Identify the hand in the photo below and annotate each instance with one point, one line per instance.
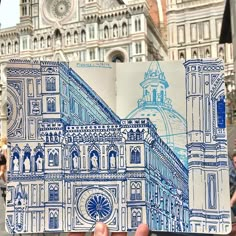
(102, 230)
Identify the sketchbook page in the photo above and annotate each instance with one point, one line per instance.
(63, 159)
(173, 120)
(100, 77)
(87, 165)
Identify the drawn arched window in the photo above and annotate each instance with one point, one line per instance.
(94, 160)
(2, 49)
(112, 159)
(124, 29)
(211, 181)
(54, 219)
(131, 135)
(136, 217)
(139, 191)
(133, 191)
(135, 156)
(51, 104)
(136, 191)
(68, 38)
(35, 43)
(221, 113)
(138, 135)
(115, 31)
(83, 36)
(162, 96)
(53, 192)
(53, 159)
(50, 84)
(41, 42)
(9, 48)
(106, 32)
(76, 37)
(48, 41)
(154, 95)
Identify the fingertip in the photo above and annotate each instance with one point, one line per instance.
(100, 229)
(142, 230)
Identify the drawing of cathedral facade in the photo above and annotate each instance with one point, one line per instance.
(75, 162)
(207, 146)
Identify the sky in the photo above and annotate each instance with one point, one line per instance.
(9, 13)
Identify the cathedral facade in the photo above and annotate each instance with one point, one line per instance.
(85, 164)
(83, 31)
(86, 30)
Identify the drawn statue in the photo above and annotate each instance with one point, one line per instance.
(94, 161)
(75, 161)
(39, 164)
(27, 164)
(16, 167)
(97, 217)
(113, 161)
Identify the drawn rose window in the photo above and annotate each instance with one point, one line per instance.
(99, 207)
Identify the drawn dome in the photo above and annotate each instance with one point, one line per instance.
(155, 105)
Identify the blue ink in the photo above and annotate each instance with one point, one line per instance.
(73, 160)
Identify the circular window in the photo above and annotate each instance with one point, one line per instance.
(99, 207)
(95, 204)
(61, 8)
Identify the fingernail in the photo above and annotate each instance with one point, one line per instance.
(99, 229)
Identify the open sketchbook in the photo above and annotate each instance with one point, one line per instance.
(120, 143)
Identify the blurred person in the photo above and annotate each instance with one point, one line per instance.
(3, 158)
(3, 146)
(3, 162)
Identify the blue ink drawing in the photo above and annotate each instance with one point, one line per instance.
(74, 162)
(155, 104)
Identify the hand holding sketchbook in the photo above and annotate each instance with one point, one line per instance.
(154, 151)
